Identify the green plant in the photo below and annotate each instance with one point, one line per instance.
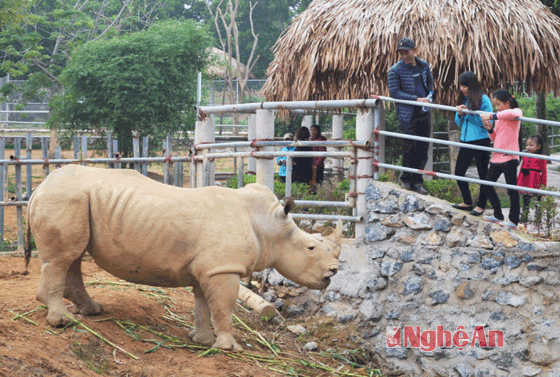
(541, 213)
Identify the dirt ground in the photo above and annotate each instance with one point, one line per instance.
(151, 324)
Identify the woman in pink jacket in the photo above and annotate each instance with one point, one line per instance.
(505, 135)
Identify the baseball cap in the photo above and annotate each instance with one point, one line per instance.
(405, 44)
(289, 136)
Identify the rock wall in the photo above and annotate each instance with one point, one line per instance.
(422, 263)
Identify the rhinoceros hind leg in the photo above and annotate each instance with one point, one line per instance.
(202, 332)
(76, 291)
(50, 292)
(221, 294)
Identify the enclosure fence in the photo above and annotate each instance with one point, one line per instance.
(366, 154)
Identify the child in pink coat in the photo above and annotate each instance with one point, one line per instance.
(505, 135)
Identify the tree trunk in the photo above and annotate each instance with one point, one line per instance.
(452, 135)
(542, 129)
(53, 143)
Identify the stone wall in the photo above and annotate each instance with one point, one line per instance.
(425, 264)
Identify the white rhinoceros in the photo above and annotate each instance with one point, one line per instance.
(146, 232)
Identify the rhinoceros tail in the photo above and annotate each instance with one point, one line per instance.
(27, 253)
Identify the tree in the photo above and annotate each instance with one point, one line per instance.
(139, 82)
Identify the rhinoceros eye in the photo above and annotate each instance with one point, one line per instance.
(311, 247)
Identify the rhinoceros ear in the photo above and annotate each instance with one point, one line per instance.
(336, 237)
(289, 204)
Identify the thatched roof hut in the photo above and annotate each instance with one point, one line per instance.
(342, 49)
(218, 67)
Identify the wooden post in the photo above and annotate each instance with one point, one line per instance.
(84, 149)
(76, 145)
(136, 149)
(364, 167)
(110, 153)
(145, 144)
(2, 156)
(252, 135)
(240, 173)
(19, 196)
(453, 135)
(58, 153)
(28, 167)
(430, 162)
(265, 130)
(45, 150)
(115, 152)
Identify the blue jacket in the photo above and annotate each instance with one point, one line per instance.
(401, 86)
(282, 171)
(471, 125)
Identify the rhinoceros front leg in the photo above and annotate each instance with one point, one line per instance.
(221, 294)
(202, 332)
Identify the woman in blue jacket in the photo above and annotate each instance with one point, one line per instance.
(473, 133)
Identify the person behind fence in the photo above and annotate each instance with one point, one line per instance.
(281, 161)
(472, 133)
(302, 171)
(411, 79)
(318, 162)
(532, 173)
(504, 132)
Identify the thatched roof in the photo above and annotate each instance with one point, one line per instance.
(342, 49)
(218, 67)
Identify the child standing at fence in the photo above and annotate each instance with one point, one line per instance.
(281, 161)
(505, 135)
(473, 132)
(533, 172)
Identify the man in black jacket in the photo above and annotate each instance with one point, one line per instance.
(411, 79)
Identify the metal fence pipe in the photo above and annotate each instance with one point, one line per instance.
(294, 105)
(326, 143)
(465, 145)
(454, 109)
(321, 203)
(472, 180)
(299, 216)
(272, 154)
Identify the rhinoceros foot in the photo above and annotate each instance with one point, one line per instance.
(59, 319)
(91, 308)
(227, 342)
(206, 338)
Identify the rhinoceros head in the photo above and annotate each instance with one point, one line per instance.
(306, 259)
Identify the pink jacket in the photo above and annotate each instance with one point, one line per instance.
(506, 135)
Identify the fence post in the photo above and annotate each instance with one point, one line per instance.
(115, 152)
(19, 208)
(307, 121)
(145, 144)
(167, 152)
(28, 167)
(252, 135)
(110, 148)
(2, 156)
(364, 167)
(378, 140)
(45, 150)
(430, 162)
(338, 134)
(204, 134)
(136, 149)
(265, 130)
(84, 149)
(76, 145)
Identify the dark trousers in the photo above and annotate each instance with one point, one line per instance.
(415, 153)
(509, 169)
(464, 159)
